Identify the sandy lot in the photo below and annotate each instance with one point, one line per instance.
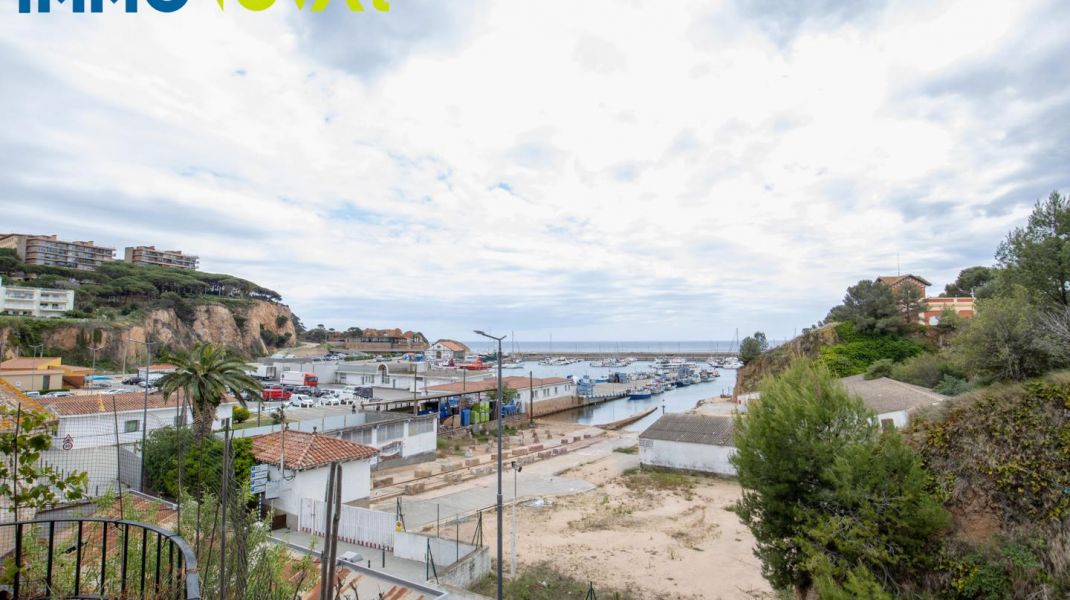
(627, 533)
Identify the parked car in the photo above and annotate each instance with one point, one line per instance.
(113, 391)
(58, 395)
(33, 394)
(302, 401)
(132, 381)
(330, 400)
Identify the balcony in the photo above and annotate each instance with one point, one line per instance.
(82, 558)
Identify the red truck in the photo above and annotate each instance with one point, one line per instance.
(298, 378)
(275, 394)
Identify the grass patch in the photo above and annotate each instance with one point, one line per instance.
(542, 582)
(627, 450)
(646, 481)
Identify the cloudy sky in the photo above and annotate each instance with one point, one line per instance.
(601, 170)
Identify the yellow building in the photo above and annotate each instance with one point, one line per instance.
(39, 374)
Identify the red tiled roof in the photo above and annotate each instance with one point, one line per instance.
(491, 383)
(11, 397)
(454, 345)
(87, 404)
(307, 450)
(891, 280)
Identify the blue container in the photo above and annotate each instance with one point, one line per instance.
(466, 417)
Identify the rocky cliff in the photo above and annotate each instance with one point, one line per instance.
(776, 360)
(241, 327)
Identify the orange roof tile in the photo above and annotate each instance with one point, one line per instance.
(307, 450)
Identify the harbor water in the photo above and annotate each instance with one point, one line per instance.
(674, 400)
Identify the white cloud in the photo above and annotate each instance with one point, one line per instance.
(608, 170)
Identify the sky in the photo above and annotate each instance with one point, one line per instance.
(596, 170)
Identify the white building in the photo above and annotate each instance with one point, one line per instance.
(444, 351)
(35, 302)
(90, 426)
(689, 442)
(892, 400)
(298, 469)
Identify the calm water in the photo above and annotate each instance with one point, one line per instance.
(547, 346)
(675, 400)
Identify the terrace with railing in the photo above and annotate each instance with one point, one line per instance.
(99, 558)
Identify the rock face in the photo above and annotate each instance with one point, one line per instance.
(238, 329)
(776, 360)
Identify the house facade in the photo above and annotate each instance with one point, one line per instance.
(297, 469)
(935, 306)
(443, 351)
(90, 426)
(689, 442)
(34, 302)
(48, 250)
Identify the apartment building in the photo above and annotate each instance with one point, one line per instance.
(35, 302)
(48, 250)
(150, 256)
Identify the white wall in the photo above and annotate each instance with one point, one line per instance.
(899, 417)
(413, 546)
(356, 485)
(683, 455)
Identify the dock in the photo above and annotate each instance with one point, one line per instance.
(589, 355)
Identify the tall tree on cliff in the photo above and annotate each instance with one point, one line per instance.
(1037, 256)
(871, 306)
(752, 346)
(205, 375)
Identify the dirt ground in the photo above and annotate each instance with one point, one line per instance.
(662, 537)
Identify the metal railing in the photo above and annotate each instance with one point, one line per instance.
(82, 558)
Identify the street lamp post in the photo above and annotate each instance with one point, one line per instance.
(500, 433)
(145, 409)
(33, 374)
(512, 567)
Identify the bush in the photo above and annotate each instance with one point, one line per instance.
(881, 368)
(859, 350)
(926, 370)
(241, 414)
(952, 386)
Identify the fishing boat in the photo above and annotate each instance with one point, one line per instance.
(641, 394)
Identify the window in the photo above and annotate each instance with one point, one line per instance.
(390, 431)
(132, 426)
(421, 426)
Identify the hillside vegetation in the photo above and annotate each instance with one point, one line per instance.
(995, 456)
(120, 302)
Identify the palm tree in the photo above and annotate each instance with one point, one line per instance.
(205, 374)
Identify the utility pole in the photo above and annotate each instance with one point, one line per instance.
(498, 414)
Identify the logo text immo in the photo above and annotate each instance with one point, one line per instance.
(167, 6)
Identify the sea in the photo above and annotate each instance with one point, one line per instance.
(672, 401)
(549, 347)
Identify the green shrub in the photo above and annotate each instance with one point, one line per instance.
(881, 368)
(859, 350)
(926, 370)
(952, 386)
(241, 414)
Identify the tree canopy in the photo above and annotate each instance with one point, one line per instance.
(832, 502)
(752, 346)
(871, 306)
(977, 282)
(1037, 256)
